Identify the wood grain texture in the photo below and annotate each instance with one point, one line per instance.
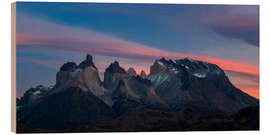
(13, 67)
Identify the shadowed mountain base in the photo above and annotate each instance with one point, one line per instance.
(177, 95)
(191, 118)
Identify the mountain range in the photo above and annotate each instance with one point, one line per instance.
(177, 95)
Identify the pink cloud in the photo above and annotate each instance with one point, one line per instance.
(134, 54)
(124, 49)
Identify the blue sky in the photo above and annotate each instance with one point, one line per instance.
(49, 34)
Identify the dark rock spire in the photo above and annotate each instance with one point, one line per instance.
(87, 62)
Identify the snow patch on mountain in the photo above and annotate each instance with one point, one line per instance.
(160, 63)
(200, 75)
(175, 70)
(159, 79)
(37, 92)
(191, 60)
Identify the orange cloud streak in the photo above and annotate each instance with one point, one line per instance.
(139, 56)
(252, 90)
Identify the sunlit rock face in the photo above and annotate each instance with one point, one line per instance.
(85, 76)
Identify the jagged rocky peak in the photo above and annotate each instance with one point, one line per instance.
(71, 74)
(131, 71)
(72, 66)
(69, 66)
(196, 67)
(199, 68)
(162, 59)
(64, 74)
(115, 68)
(186, 80)
(158, 66)
(143, 74)
(113, 74)
(87, 62)
(34, 93)
(85, 76)
(89, 57)
(133, 92)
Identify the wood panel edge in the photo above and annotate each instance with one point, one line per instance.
(13, 67)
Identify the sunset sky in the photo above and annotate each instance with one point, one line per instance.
(50, 34)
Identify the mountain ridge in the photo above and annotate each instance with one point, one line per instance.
(171, 86)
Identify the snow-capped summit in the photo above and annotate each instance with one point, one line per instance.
(183, 81)
(34, 93)
(172, 85)
(200, 68)
(197, 68)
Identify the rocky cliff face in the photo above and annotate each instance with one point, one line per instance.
(135, 92)
(78, 97)
(63, 110)
(33, 94)
(187, 81)
(84, 76)
(113, 74)
(183, 91)
(130, 91)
